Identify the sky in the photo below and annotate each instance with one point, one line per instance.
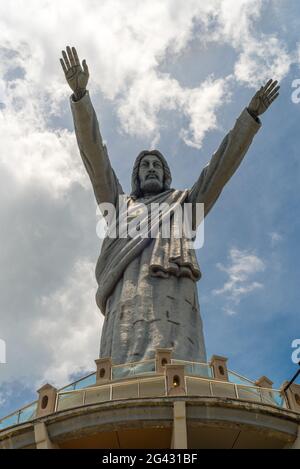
(172, 75)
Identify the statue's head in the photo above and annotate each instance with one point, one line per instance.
(151, 174)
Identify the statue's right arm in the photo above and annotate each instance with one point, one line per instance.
(94, 154)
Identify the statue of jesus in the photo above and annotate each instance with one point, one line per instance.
(147, 287)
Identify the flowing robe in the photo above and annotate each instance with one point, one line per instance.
(147, 293)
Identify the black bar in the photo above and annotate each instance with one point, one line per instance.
(292, 380)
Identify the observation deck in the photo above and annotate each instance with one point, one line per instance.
(159, 403)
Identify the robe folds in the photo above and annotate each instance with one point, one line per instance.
(147, 287)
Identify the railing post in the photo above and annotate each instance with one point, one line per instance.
(162, 357)
(262, 393)
(103, 370)
(264, 382)
(292, 395)
(175, 380)
(56, 401)
(47, 400)
(219, 365)
(265, 395)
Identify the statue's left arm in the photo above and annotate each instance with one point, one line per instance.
(232, 150)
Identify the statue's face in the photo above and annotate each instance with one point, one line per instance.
(151, 174)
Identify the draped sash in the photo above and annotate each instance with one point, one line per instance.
(170, 256)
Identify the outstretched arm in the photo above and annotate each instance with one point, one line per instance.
(233, 148)
(93, 152)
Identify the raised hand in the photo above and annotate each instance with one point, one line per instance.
(76, 75)
(263, 98)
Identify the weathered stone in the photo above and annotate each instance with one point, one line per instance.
(147, 286)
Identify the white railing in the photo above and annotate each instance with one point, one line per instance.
(213, 388)
(142, 388)
(198, 378)
(157, 387)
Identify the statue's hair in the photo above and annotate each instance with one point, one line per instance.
(135, 181)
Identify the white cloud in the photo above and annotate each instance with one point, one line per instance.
(200, 105)
(262, 59)
(259, 55)
(3, 399)
(38, 156)
(243, 265)
(61, 336)
(149, 95)
(229, 311)
(34, 153)
(124, 52)
(71, 325)
(276, 238)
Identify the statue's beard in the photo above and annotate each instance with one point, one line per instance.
(151, 186)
